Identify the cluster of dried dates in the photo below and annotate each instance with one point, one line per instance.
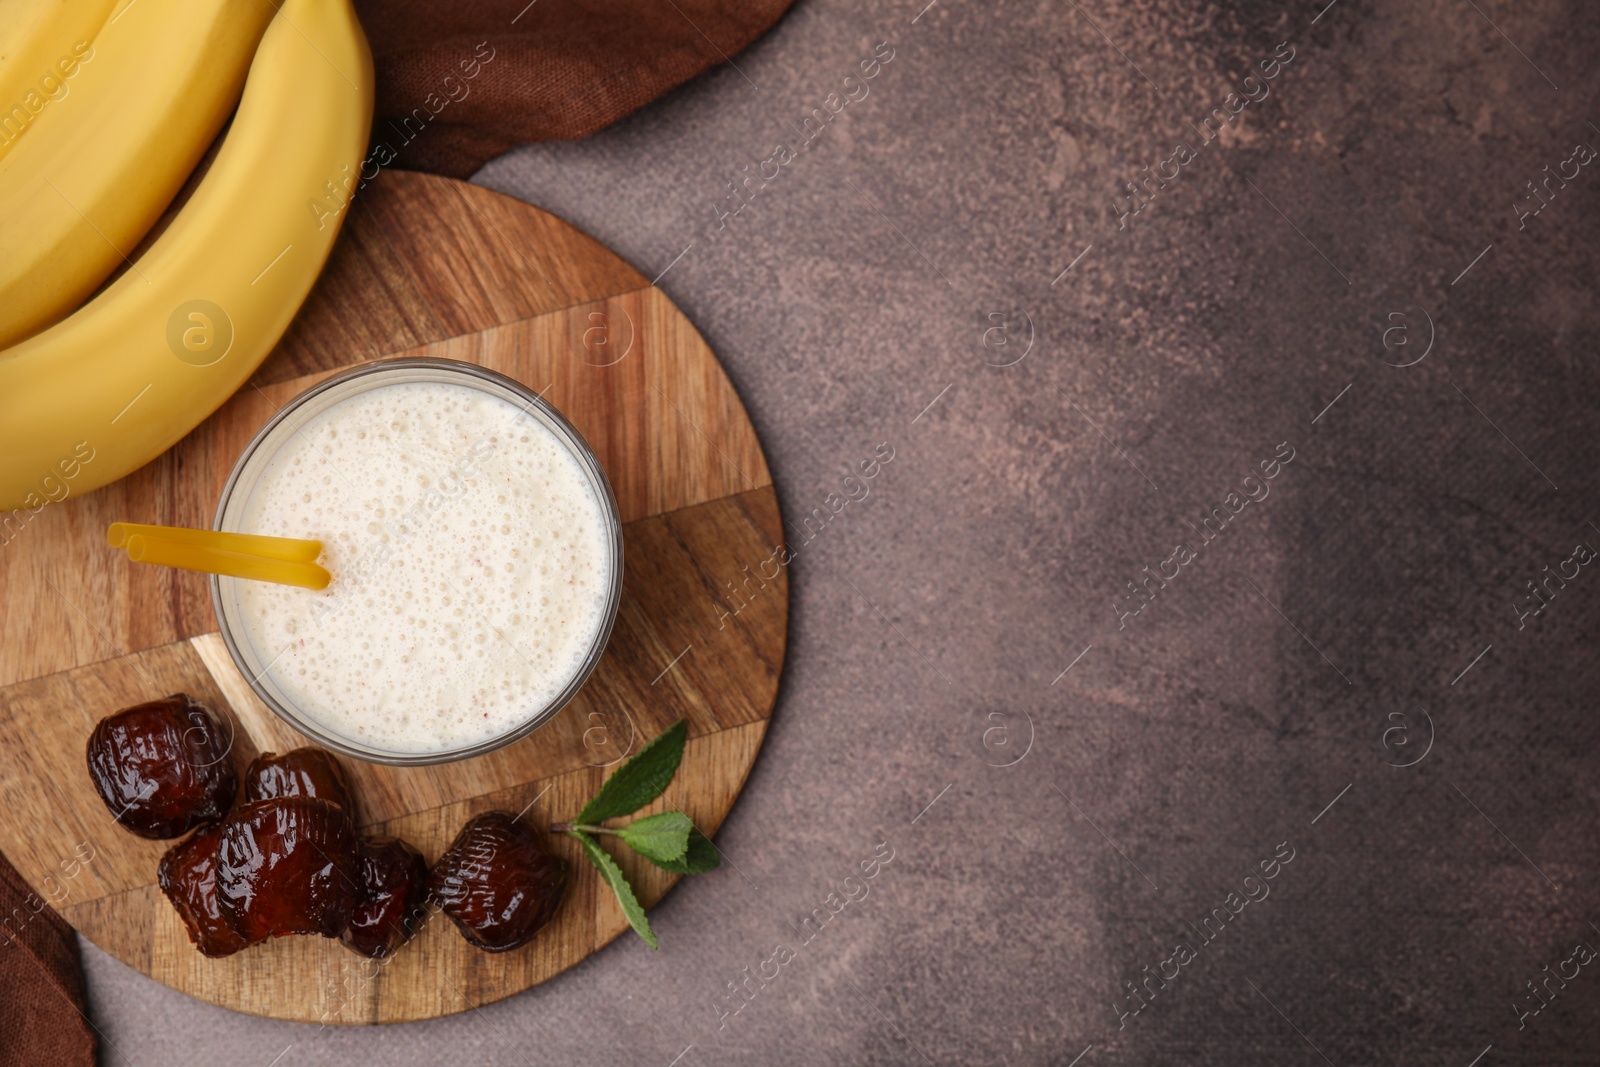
(288, 860)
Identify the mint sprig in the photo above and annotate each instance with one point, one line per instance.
(668, 839)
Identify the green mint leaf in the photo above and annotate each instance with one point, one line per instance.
(661, 838)
(701, 856)
(641, 779)
(619, 885)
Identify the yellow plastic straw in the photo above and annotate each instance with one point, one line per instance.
(143, 548)
(291, 549)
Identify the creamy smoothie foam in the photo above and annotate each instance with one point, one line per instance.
(470, 567)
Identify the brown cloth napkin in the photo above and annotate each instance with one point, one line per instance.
(458, 84)
(42, 1018)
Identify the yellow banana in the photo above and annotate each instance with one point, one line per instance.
(43, 45)
(121, 380)
(100, 165)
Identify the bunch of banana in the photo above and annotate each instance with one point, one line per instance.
(101, 163)
(160, 348)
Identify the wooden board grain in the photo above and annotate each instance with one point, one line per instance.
(426, 266)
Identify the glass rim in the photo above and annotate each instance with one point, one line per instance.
(473, 376)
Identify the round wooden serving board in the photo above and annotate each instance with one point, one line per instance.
(432, 267)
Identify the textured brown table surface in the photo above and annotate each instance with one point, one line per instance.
(879, 289)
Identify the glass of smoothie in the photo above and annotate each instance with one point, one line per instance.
(476, 555)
